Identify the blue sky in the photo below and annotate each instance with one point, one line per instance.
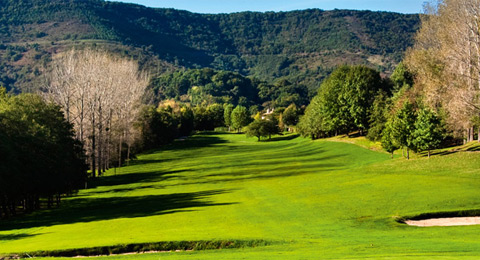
(229, 6)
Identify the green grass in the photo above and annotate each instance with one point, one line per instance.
(308, 199)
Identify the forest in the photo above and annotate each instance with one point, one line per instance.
(299, 46)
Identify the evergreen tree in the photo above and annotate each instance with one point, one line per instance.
(379, 116)
(428, 131)
(388, 140)
(403, 127)
(401, 77)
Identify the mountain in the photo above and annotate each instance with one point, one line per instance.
(301, 46)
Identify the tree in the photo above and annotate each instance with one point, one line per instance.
(227, 115)
(290, 116)
(263, 128)
(216, 114)
(403, 126)
(100, 94)
(360, 85)
(312, 123)
(388, 140)
(379, 116)
(256, 129)
(401, 77)
(428, 131)
(445, 61)
(344, 101)
(239, 118)
(40, 157)
(158, 126)
(186, 121)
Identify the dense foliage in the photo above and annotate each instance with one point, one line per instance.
(344, 102)
(239, 118)
(39, 156)
(160, 126)
(263, 127)
(302, 46)
(207, 86)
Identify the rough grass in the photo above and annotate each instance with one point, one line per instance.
(316, 199)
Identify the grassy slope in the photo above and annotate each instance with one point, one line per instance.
(314, 199)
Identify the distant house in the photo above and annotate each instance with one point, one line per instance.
(269, 112)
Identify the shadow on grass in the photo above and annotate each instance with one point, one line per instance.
(15, 236)
(282, 138)
(474, 148)
(197, 141)
(441, 153)
(96, 209)
(129, 178)
(249, 176)
(442, 214)
(119, 190)
(470, 147)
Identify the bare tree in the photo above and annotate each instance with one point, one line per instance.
(446, 60)
(100, 94)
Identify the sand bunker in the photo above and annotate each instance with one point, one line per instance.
(444, 222)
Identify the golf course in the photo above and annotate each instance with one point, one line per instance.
(287, 198)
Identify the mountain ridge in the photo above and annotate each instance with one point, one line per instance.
(303, 45)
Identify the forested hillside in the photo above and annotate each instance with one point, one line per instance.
(302, 46)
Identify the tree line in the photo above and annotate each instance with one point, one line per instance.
(446, 64)
(356, 99)
(101, 95)
(206, 86)
(40, 158)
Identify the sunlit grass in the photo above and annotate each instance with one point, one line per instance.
(312, 199)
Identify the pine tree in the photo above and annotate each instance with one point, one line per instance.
(428, 131)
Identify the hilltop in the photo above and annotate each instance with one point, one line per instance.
(302, 46)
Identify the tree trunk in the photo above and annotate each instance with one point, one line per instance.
(93, 162)
(100, 140)
(478, 134)
(428, 153)
(82, 111)
(120, 151)
(128, 154)
(471, 134)
(109, 142)
(408, 154)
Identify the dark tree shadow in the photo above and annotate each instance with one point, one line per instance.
(441, 153)
(15, 236)
(245, 176)
(207, 139)
(474, 149)
(282, 138)
(96, 209)
(122, 190)
(129, 178)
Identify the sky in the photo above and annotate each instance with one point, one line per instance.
(230, 6)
